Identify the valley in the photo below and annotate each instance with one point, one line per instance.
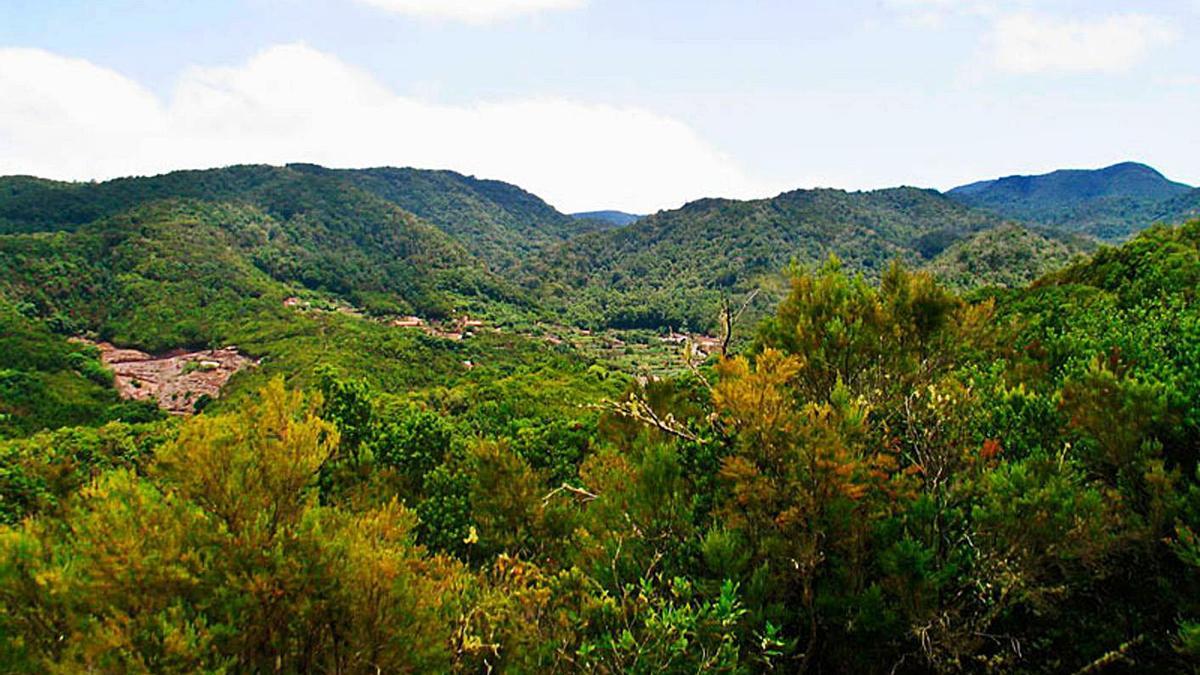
(429, 418)
(599, 337)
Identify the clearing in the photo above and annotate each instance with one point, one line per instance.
(175, 380)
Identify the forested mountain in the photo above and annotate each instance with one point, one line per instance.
(297, 227)
(613, 218)
(1008, 255)
(1109, 203)
(672, 268)
(353, 233)
(498, 222)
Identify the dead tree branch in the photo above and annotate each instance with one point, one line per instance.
(583, 495)
(639, 410)
(729, 319)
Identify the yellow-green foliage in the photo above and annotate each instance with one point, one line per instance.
(892, 478)
(224, 559)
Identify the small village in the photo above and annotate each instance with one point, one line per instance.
(456, 329)
(634, 351)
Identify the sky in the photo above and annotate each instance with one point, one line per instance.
(636, 105)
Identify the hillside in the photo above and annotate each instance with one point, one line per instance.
(181, 274)
(1109, 203)
(499, 223)
(1179, 209)
(672, 268)
(1161, 262)
(316, 231)
(165, 275)
(48, 382)
(1008, 255)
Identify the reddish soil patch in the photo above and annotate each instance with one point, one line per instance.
(175, 380)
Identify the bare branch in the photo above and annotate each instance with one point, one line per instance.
(1118, 654)
(584, 495)
(729, 319)
(637, 409)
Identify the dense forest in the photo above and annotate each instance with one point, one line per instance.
(1009, 255)
(934, 441)
(500, 223)
(675, 267)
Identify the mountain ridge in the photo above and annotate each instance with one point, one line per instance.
(322, 232)
(1110, 203)
(499, 222)
(672, 267)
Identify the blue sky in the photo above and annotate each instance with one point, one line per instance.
(604, 103)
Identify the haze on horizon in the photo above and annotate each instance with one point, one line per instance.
(604, 104)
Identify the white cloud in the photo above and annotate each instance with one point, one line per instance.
(70, 119)
(1033, 43)
(471, 11)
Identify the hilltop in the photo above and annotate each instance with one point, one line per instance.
(1109, 203)
(499, 223)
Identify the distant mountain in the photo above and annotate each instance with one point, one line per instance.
(1009, 255)
(612, 218)
(1109, 203)
(499, 223)
(672, 268)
